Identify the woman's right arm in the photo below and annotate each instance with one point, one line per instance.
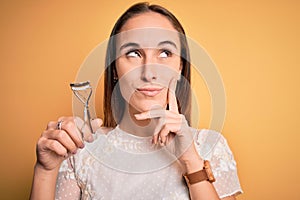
(43, 186)
(53, 147)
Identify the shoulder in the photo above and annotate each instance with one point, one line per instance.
(207, 141)
(212, 145)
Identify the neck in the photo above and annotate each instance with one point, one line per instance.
(141, 128)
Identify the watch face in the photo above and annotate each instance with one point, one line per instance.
(209, 172)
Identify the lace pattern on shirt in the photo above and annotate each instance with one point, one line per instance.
(82, 177)
(212, 146)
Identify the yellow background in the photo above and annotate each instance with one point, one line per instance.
(255, 45)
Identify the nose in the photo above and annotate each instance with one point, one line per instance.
(149, 71)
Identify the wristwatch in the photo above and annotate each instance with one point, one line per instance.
(204, 174)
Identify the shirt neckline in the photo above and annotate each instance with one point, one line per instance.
(128, 135)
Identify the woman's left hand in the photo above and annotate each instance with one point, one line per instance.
(172, 125)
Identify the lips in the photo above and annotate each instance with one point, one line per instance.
(150, 91)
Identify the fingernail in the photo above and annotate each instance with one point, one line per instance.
(74, 152)
(90, 138)
(137, 116)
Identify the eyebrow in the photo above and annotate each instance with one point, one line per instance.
(129, 44)
(167, 42)
(136, 45)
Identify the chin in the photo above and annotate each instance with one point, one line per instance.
(146, 105)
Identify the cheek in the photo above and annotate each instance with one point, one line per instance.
(174, 62)
(125, 79)
(171, 69)
(177, 64)
(120, 67)
(125, 65)
(128, 81)
(126, 87)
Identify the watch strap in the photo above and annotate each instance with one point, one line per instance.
(205, 174)
(197, 177)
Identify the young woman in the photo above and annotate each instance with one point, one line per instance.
(151, 152)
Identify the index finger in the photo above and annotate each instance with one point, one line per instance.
(69, 125)
(172, 96)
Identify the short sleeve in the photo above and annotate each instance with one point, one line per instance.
(66, 184)
(213, 146)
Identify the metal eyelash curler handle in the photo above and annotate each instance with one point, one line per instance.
(83, 91)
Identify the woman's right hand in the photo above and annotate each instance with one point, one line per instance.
(55, 145)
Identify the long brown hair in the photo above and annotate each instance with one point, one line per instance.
(114, 104)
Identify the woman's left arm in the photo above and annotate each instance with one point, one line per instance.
(170, 121)
(202, 190)
(172, 126)
(192, 162)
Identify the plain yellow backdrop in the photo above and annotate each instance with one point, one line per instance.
(255, 45)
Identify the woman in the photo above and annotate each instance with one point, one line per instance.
(147, 102)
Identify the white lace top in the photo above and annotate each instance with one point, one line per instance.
(118, 165)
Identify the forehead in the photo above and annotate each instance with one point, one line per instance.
(148, 29)
(147, 37)
(146, 20)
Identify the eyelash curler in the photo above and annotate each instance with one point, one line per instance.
(83, 91)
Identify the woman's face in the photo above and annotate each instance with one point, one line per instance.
(148, 58)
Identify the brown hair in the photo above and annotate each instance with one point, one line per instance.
(114, 104)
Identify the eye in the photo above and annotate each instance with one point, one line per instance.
(165, 53)
(133, 53)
